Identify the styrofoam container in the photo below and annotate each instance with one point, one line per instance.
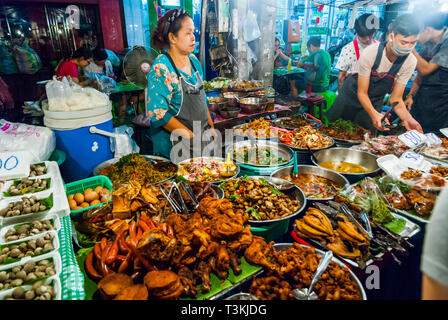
(54, 280)
(391, 165)
(51, 256)
(53, 217)
(52, 168)
(55, 246)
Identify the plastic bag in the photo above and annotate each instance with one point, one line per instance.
(123, 144)
(106, 84)
(39, 141)
(66, 95)
(251, 28)
(28, 62)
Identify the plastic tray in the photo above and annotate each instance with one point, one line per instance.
(53, 217)
(55, 257)
(52, 280)
(29, 194)
(81, 185)
(55, 246)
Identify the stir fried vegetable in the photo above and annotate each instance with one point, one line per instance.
(305, 136)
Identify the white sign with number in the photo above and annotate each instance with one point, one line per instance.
(432, 139)
(445, 132)
(412, 139)
(413, 160)
(15, 164)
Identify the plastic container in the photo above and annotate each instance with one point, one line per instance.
(82, 185)
(54, 280)
(18, 242)
(271, 231)
(52, 217)
(29, 194)
(58, 156)
(84, 150)
(53, 257)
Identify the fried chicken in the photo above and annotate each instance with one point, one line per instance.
(258, 252)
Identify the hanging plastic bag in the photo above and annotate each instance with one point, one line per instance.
(251, 28)
(123, 144)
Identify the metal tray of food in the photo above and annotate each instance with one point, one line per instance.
(247, 137)
(286, 246)
(277, 123)
(305, 150)
(237, 171)
(107, 163)
(294, 193)
(283, 151)
(337, 178)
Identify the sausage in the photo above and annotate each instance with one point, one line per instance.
(125, 264)
(104, 268)
(113, 251)
(132, 230)
(97, 251)
(90, 268)
(123, 247)
(142, 224)
(139, 234)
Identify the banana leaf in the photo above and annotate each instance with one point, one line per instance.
(25, 190)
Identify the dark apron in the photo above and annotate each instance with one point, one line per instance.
(193, 114)
(430, 103)
(347, 106)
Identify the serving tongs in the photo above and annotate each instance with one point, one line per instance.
(383, 120)
(190, 194)
(180, 208)
(352, 219)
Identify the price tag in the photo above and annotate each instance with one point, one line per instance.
(14, 165)
(412, 139)
(432, 139)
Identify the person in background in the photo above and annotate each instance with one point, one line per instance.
(430, 88)
(69, 67)
(348, 59)
(434, 263)
(318, 66)
(280, 58)
(383, 68)
(100, 64)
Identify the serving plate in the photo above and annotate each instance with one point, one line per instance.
(237, 171)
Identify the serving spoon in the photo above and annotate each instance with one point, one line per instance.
(309, 294)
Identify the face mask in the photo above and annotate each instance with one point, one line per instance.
(400, 51)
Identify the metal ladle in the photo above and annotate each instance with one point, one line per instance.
(309, 294)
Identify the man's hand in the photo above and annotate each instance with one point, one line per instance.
(377, 121)
(412, 124)
(409, 102)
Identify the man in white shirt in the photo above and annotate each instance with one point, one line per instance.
(365, 28)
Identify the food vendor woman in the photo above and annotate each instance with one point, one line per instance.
(175, 95)
(383, 67)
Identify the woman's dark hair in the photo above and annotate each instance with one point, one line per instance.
(406, 25)
(437, 21)
(99, 54)
(171, 22)
(82, 52)
(366, 25)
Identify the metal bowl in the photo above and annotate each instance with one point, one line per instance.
(242, 296)
(365, 159)
(286, 246)
(337, 178)
(253, 104)
(295, 193)
(218, 104)
(232, 98)
(282, 151)
(229, 112)
(107, 163)
(237, 171)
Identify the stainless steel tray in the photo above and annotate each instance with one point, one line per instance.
(339, 179)
(286, 246)
(237, 172)
(107, 163)
(240, 137)
(277, 124)
(283, 151)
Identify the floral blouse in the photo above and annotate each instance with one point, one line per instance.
(164, 95)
